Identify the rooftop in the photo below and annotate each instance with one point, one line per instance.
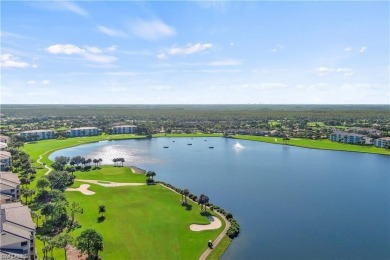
(124, 126)
(85, 128)
(11, 177)
(5, 155)
(37, 131)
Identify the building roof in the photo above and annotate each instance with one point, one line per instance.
(5, 155)
(385, 138)
(85, 128)
(18, 214)
(10, 177)
(3, 137)
(346, 133)
(3, 145)
(124, 126)
(37, 131)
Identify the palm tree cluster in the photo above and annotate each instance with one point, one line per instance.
(118, 161)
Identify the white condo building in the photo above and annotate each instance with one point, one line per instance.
(349, 138)
(9, 187)
(124, 129)
(381, 142)
(84, 131)
(37, 134)
(17, 232)
(5, 160)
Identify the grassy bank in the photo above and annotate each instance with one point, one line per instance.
(145, 222)
(317, 144)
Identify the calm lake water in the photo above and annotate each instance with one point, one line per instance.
(291, 203)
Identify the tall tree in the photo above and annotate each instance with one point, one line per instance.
(186, 192)
(75, 208)
(203, 200)
(90, 242)
(102, 209)
(63, 240)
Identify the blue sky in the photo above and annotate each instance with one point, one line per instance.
(106, 52)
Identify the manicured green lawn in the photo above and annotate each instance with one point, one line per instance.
(111, 173)
(143, 222)
(317, 144)
(189, 135)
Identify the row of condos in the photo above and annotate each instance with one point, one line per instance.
(352, 138)
(34, 135)
(17, 228)
(17, 232)
(124, 129)
(84, 131)
(9, 187)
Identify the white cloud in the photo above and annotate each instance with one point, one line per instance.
(265, 86)
(45, 82)
(67, 49)
(112, 48)
(162, 56)
(89, 53)
(345, 71)
(111, 32)
(93, 49)
(10, 61)
(160, 88)
(225, 63)
(324, 71)
(30, 82)
(187, 50)
(363, 49)
(277, 48)
(151, 30)
(99, 58)
(347, 49)
(120, 73)
(72, 8)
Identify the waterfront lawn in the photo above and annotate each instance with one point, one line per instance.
(111, 173)
(143, 222)
(324, 144)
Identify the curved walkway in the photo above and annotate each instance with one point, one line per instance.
(218, 239)
(111, 183)
(39, 161)
(215, 223)
(83, 189)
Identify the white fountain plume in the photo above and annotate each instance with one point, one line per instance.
(238, 146)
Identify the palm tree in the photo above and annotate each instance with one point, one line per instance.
(75, 208)
(102, 209)
(150, 175)
(95, 161)
(203, 200)
(63, 240)
(115, 160)
(35, 215)
(122, 160)
(185, 192)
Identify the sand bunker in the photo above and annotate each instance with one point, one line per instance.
(215, 223)
(83, 189)
(110, 183)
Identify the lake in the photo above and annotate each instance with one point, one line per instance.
(291, 202)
